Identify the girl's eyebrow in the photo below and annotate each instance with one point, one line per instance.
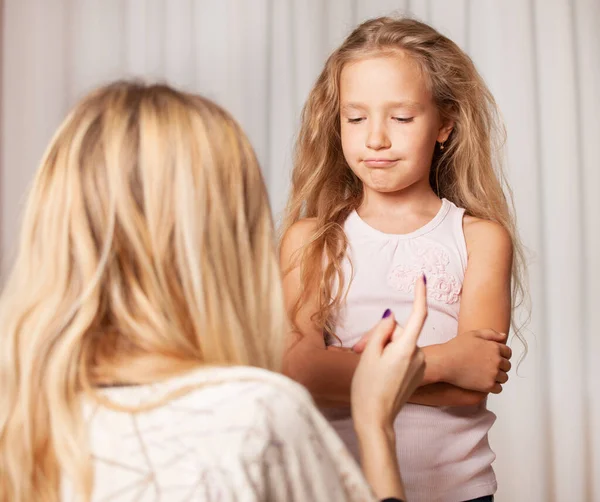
(353, 107)
(404, 104)
(346, 107)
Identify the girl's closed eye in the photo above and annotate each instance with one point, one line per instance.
(355, 120)
(403, 120)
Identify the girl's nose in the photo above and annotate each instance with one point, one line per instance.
(378, 139)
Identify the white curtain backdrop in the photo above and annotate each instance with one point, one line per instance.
(259, 58)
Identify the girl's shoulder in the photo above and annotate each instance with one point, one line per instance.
(296, 237)
(299, 231)
(485, 236)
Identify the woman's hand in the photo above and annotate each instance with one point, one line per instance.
(390, 369)
(477, 360)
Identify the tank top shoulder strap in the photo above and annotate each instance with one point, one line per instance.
(451, 231)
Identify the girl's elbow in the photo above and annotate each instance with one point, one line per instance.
(473, 398)
(297, 366)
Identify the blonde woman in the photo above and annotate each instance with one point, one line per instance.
(143, 324)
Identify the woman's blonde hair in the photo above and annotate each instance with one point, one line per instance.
(468, 171)
(147, 249)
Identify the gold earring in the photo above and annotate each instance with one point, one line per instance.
(442, 145)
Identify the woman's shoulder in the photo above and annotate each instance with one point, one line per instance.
(230, 425)
(255, 384)
(241, 385)
(240, 396)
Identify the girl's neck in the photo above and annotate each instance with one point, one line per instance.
(415, 199)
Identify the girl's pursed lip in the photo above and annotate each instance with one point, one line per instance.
(379, 162)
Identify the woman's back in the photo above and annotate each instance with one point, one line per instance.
(237, 433)
(147, 251)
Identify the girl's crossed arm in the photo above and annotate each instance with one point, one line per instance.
(468, 361)
(460, 372)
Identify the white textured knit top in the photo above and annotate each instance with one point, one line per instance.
(239, 434)
(443, 453)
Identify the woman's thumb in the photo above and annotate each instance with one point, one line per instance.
(381, 334)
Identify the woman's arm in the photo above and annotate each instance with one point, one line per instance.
(380, 462)
(390, 369)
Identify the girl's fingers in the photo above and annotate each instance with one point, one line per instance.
(492, 335)
(502, 377)
(496, 389)
(505, 365)
(505, 351)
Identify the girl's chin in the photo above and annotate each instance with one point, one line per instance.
(385, 187)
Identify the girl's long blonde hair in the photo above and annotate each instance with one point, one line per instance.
(147, 249)
(468, 171)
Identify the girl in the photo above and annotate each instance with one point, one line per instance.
(396, 176)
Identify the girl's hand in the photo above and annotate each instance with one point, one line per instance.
(390, 369)
(478, 360)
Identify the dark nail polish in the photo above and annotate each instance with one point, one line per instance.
(425, 279)
(387, 313)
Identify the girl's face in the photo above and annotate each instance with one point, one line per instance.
(389, 122)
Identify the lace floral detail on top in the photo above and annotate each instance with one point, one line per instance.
(432, 261)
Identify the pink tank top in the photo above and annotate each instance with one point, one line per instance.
(443, 453)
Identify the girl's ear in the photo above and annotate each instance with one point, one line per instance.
(445, 131)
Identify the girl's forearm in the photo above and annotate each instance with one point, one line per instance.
(434, 390)
(445, 394)
(434, 369)
(327, 374)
